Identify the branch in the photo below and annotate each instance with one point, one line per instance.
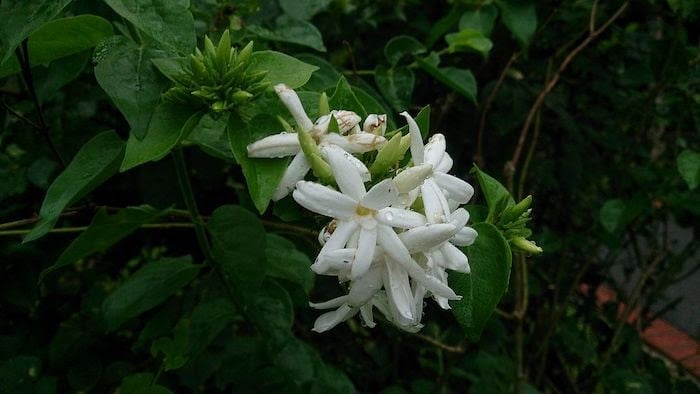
(452, 349)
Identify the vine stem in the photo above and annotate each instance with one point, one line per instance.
(78, 229)
(510, 167)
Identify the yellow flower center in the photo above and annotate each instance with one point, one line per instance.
(363, 211)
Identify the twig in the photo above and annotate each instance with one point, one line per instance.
(64, 230)
(18, 115)
(23, 59)
(510, 167)
(449, 348)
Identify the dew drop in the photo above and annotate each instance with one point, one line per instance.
(389, 216)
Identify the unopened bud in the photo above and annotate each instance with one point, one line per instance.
(347, 120)
(244, 54)
(293, 104)
(375, 124)
(323, 106)
(526, 245)
(223, 51)
(412, 177)
(389, 154)
(242, 96)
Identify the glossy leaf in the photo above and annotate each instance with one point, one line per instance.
(60, 38)
(94, 163)
(124, 70)
(520, 18)
(688, 163)
(283, 68)
(344, 97)
(167, 21)
(238, 246)
(396, 84)
(291, 30)
(142, 383)
(495, 194)
(481, 19)
(482, 289)
(22, 17)
(210, 135)
(469, 39)
(104, 231)
(400, 46)
(613, 215)
(262, 175)
(146, 288)
(272, 312)
(460, 80)
(284, 261)
(303, 9)
(169, 125)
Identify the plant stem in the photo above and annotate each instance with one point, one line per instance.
(66, 230)
(183, 180)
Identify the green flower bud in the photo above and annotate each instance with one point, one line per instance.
(526, 245)
(223, 50)
(241, 96)
(387, 156)
(323, 106)
(245, 53)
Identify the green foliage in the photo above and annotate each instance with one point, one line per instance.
(689, 166)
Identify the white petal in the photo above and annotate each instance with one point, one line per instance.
(457, 189)
(293, 104)
(397, 252)
(405, 200)
(435, 149)
(375, 124)
(434, 202)
(337, 241)
(418, 295)
(416, 139)
(295, 172)
(460, 217)
(367, 315)
(355, 143)
(331, 319)
(346, 120)
(330, 304)
(324, 200)
(277, 145)
(398, 291)
(445, 164)
(364, 252)
(380, 195)
(365, 287)
(454, 258)
(400, 218)
(465, 237)
(412, 177)
(360, 167)
(345, 173)
(423, 238)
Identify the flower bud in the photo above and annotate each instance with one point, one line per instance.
(223, 51)
(323, 106)
(389, 154)
(242, 96)
(244, 54)
(526, 245)
(293, 104)
(375, 124)
(412, 177)
(347, 120)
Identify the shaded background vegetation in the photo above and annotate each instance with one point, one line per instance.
(591, 107)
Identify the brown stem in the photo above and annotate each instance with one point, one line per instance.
(452, 349)
(510, 167)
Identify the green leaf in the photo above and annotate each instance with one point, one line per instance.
(520, 18)
(282, 68)
(169, 125)
(174, 350)
(396, 84)
(17, 374)
(469, 39)
(460, 80)
(21, 17)
(496, 195)
(272, 311)
(325, 77)
(481, 19)
(94, 163)
(238, 245)
(303, 9)
(400, 46)
(104, 231)
(613, 215)
(210, 135)
(208, 319)
(688, 163)
(125, 72)
(167, 21)
(146, 288)
(262, 175)
(344, 97)
(142, 383)
(291, 30)
(284, 261)
(482, 289)
(60, 38)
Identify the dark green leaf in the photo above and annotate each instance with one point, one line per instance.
(238, 245)
(146, 288)
(167, 21)
(396, 84)
(96, 161)
(284, 261)
(208, 319)
(60, 38)
(303, 9)
(482, 289)
(104, 231)
(520, 18)
(481, 19)
(142, 383)
(174, 350)
(262, 175)
(344, 97)
(494, 193)
(401, 46)
(469, 39)
(325, 77)
(21, 17)
(291, 30)
(125, 72)
(282, 68)
(272, 311)
(688, 163)
(49, 80)
(613, 215)
(210, 135)
(169, 125)
(16, 372)
(460, 80)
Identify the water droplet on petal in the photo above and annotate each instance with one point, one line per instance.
(389, 216)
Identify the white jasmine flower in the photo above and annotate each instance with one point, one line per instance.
(375, 124)
(287, 144)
